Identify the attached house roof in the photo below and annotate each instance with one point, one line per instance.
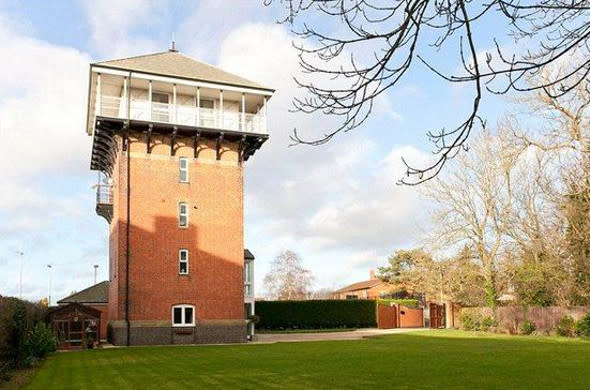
(360, 285)
(99, 293)
(176, 64)
(248, 255)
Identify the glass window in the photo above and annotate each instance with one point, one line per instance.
(183, 166)
(188, 315)
(183, 262)
(183, 214)
(177, 315)
(183, 315)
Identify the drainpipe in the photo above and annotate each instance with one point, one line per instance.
(128, 227)
(127, 236)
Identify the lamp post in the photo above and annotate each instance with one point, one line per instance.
(95, 269)
(20, 276)
(50, 280)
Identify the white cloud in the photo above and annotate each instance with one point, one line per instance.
(42, 106)
(112, 23)
(337, 203)
(45, 199)
(201, 33)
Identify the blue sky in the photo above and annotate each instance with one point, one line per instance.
(336, 205)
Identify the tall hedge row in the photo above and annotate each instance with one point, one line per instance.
(316, 314)
(18, 319)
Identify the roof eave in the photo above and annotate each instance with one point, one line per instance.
(119, 68)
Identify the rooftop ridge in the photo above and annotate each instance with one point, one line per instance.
(132, 57)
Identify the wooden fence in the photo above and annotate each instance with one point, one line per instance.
(512, 317)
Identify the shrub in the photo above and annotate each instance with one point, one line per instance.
(413, 303)
(583, 326)
(316, 314)
(527, 327)
(468, 322)
(40, 341)
(253, 318)
(566, 326)
(487, 322)
(17, 318)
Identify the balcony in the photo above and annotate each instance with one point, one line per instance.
(143, 110)
(174, 103)
(104, 201)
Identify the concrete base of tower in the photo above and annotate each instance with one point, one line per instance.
(162, 333)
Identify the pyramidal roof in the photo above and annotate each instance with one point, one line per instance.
(175, 64)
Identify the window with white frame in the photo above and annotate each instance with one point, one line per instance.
(183, 261)
(183, 315)
(183, 167)
(183, 214)
(248, 278)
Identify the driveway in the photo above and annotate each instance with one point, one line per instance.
(352, 335)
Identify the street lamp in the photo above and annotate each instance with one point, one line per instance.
(50, 277)
(95, 269)
(20, 276)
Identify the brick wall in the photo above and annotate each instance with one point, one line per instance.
(104, 319)
(214, 237)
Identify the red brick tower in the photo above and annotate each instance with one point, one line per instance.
(170, 136)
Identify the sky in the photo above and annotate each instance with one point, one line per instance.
(336, 205)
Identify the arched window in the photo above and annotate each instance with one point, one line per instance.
(183, 315)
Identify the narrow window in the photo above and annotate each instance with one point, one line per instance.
(183, 214)
(177, 315)
(183, 315)
(248, 278)
(183, 262)
(183, 169)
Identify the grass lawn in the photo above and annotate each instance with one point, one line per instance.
(426, 360)
(290, 331)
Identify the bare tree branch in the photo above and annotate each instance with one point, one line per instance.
(394, 31)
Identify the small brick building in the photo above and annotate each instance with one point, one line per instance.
(171, 136)
(96, 297)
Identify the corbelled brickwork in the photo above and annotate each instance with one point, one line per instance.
(214, 238)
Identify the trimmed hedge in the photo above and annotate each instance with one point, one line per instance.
(316, 314)
(412, 303)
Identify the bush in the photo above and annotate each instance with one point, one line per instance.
(583, 326)
(316, 314)
(17, 318)
(413, 303)
(566, 326)
(468, 322)
(476, 320)
(487, 322)
(40, 341)
(528, 327)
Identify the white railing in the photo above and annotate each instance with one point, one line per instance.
(116, 107)
(104, 194)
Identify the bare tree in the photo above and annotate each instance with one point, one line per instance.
(379, 41)
(562, 140)
(287, 279)
(474, 207)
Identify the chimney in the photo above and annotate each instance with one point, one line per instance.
(173, 46)
(372, 274)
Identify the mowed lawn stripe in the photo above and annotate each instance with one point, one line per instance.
(420, 360)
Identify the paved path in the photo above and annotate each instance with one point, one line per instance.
(352, 335)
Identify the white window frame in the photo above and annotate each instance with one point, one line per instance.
(183, 307)
(181, 214)
(180, 261)
(181, 169)
(248, 278)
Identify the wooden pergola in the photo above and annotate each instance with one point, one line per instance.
(75, 325)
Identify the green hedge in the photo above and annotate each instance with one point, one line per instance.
(412, 303)
(316, 314)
